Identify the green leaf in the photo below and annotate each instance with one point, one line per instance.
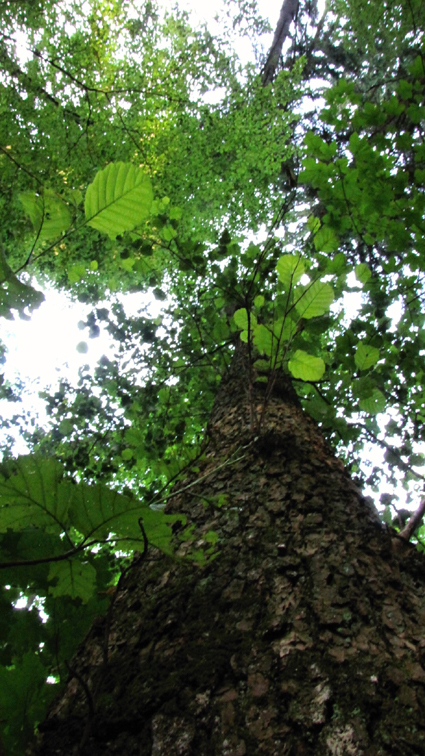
(362, 387)
(82, 347)
(175, 213)
(365, 356)
(221, 331)
(314, 300)
(317, 408)
(34, 494)
(74, 578)
(22, 700)
(127, 264)
(168, 233)
(66, 427)
(15, 295)
(31, 496)
(76, 273)
(306, 367)
(75, 196)
(259, 300)
(417, 68)
(417, 460)
(290, 268)
(164, 395)
(326, 240)
(263, 339)
(313, 224)
(374, 403)
(337, 264)
(363, 272)
(241, 319)
(284, 329)
(97, 512)
(119, 199)
(49, 214)
(6, 272)
(33, 206)
(159, 294)
(263, 366)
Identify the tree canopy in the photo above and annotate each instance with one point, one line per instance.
(138, 154)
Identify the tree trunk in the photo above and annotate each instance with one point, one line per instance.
(288, 13)
(304, 636)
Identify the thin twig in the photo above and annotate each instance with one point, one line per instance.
(413, 523)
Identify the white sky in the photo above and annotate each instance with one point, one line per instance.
(43, 350)
(47, 343)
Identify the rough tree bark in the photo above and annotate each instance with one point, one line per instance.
(305, 636)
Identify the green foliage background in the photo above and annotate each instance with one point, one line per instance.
(137, 154)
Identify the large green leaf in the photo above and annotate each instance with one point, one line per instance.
(48, 212)
(31, 496)
(23, 694)
(326, 240)
(74, 578)
(268, 339)
(119, 198)
(362, 387)
(306, 367)
(35, 494)
(363, 272)
(98, 511)
(366, 356)
(290, 268)
(241, 319)
(76, 273)
(314, 300)
(263, 339)
(374, 403)
(284, 328)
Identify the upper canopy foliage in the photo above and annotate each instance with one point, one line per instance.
(138, 154)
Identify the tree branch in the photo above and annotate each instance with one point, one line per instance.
(413, 523)
(288, 12)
